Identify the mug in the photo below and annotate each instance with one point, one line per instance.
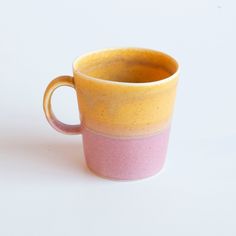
(125, 100)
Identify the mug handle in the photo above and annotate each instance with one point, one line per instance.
(53, 121)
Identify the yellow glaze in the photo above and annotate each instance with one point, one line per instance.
(121, 92)
(126, 92)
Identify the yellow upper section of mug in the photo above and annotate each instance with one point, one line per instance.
(127, 91)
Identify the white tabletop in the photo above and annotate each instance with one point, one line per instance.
(45, 187)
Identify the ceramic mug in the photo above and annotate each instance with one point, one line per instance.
(125, 99)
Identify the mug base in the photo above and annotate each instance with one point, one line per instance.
(125, 158)
(126, 180)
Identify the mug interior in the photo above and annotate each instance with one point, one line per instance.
(129, 65)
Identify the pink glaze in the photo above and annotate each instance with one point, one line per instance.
(125, 158)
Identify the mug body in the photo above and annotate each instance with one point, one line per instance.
(126, 99)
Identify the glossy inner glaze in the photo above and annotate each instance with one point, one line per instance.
(128, 66)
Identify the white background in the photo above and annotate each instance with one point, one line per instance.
(45, 187)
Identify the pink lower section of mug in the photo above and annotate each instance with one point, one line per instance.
(125, 159)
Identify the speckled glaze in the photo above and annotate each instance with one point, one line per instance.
(125, 158)
(126, 98)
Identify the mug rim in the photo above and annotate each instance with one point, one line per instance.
(100, 80)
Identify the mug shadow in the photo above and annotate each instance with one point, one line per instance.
(44, 156)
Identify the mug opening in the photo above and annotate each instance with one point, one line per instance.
(130, 66)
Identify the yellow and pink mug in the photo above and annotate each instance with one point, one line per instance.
(125, 98)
